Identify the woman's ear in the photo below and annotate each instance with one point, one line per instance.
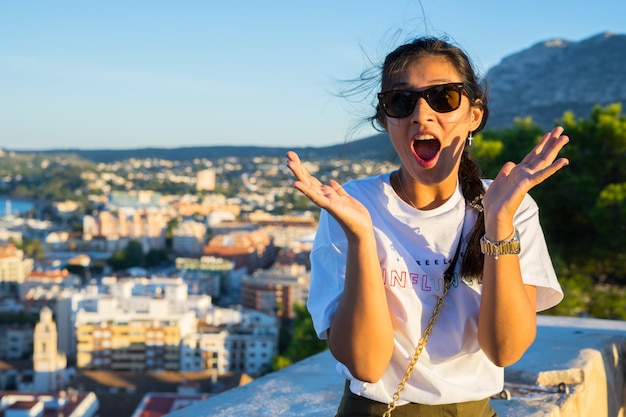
(477, 114)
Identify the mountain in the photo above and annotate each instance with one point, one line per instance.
(377, 147)
(542, 82)
(556, 76)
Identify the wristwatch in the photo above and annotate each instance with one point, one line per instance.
(504, 247)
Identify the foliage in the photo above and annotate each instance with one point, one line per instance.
(493, 148)
(155, 257)
(584, 298)
(608, 215)
(31, 247)
(131, 256)
(304, 341)
(577, 291)
(583, 207)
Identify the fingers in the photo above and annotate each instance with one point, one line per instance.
(505, 170)
(306, 183)
(542, 158)
(301, 174)
(545, 173)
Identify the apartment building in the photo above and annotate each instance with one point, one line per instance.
(206, 179)
(189, 205)
(189, 238)
(285, 230)
(13, 268)
(146, 224)
(206, 275)
(246, 249)
(145, 324)
(275, 291)
(131, 341)
(16, 341)
(133, 324)
(232, 340)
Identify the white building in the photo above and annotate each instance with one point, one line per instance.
(205, 180)
(207, 274)
(189, 238)
(232, 340)
(157, 298)
(141, 324)
(13, 268)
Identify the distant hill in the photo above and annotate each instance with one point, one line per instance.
(556, 76)
(542, 82)
(377, 147)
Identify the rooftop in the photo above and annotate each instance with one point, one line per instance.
(574, 368)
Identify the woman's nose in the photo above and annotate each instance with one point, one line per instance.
(422, 111)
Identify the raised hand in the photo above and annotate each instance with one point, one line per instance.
(507, 190)
(348, 211)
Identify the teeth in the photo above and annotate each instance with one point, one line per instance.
(424, 137)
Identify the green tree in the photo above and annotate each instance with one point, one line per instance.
(304, 341)
(608, 216)
(131, 256)
(32, 248)
(596, 153)
(493, 148)
(578, 291)
(155, 256)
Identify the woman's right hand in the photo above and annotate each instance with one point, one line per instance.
(362, 332)
(351, 215)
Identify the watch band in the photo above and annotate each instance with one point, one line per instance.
(504, 247)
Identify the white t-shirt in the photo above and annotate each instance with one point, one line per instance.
(414, 248)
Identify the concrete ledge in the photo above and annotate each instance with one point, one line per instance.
(574, 368)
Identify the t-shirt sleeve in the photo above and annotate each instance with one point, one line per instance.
(535, 262)
(328, 266)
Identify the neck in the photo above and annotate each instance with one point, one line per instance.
(423, 196)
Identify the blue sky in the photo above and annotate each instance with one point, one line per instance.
(120, 74)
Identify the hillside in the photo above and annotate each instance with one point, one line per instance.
(556, 76)
(375, 147)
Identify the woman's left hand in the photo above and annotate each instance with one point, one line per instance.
(505, 194)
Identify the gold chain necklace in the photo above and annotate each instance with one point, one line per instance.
(418, 350)
(404, 194)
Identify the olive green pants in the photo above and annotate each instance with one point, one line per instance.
(353, 405)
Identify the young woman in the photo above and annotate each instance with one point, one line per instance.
(426, 281)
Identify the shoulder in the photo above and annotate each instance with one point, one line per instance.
(368, 188)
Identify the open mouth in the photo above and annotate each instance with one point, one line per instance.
(426, 149)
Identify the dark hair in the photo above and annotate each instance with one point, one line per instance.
(469, 172)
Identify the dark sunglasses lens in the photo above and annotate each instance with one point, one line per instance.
(444, 99)
(441, 98)
(399, 103)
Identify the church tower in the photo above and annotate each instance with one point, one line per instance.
(49, 365)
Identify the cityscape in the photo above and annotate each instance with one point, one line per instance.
(145, 271)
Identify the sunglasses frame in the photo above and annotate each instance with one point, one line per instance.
(427, 95)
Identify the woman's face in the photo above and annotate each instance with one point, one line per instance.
(429, 143)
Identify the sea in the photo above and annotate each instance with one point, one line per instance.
(9, 206)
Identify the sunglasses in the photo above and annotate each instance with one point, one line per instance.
(442, 98)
